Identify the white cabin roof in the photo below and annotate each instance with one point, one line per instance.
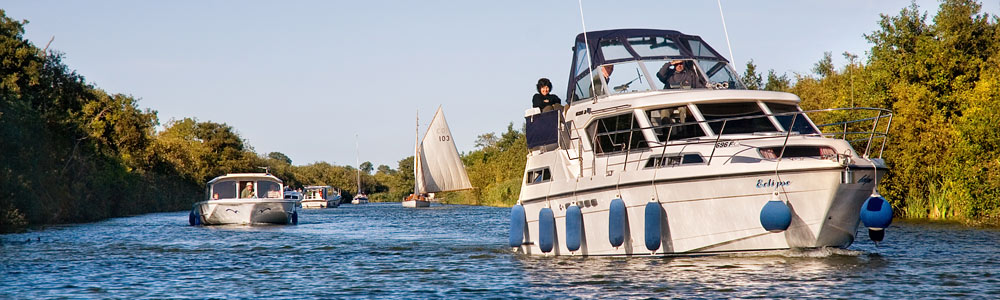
(246, 176)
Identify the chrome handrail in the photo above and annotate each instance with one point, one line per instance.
(872, 134)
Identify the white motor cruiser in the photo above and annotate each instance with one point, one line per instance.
(664, 152)
(245, 198)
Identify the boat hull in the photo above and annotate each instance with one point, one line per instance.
(416, 203)
(312, 204)
(245, 212)
(714, 214)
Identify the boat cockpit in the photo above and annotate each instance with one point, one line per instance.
(317, 192)
(638, 60)
(244, 188)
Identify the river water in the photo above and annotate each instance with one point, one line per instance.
(382, 250)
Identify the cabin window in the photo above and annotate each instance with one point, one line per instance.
(675, 159)
(538, 176)
(269, 189)
(614, 49)
(224, 190)
(752, 118)
(785, 113)
(668, 119)
(617, 133)
(654, 46)
(798, 151)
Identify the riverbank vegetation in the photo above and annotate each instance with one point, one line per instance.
(941, 78)
(72, 152)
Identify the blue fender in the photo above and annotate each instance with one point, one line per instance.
(574, 227)
(876, 212)
(653, 218)
(775, 216)
(517, 222)
(546, 229)
(616, 223)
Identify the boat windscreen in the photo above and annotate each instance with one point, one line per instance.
(269, 189)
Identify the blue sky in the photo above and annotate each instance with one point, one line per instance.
(304, 77)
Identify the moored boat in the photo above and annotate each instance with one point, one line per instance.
(645, 161)
(245, 198)
(360, 199)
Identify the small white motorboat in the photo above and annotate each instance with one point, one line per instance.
(320, 196)
(360, 199)
(243, 199)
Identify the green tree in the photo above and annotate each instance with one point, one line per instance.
(752, 79)
(824, 67)
(777, 83)
(367, 167)
(281, 157)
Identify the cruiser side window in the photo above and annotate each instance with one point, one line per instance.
(674, 159)
(667, 119)
(538, 176)
(617, 133)
(224, 190)
(750, 118)
(785, 113)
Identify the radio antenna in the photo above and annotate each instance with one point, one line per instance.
(731, 59)
(586, 43)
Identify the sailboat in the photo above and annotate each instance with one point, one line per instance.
(436, 164)
(361, 197)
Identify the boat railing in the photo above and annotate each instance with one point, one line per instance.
(849, 124)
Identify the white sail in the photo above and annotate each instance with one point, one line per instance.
(441, 168)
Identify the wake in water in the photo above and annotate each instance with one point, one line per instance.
(803, 253)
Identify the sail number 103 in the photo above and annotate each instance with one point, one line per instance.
(444, 138)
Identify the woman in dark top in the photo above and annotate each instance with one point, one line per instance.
(543, 100)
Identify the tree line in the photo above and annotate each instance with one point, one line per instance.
(941, 78)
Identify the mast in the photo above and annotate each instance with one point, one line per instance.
(357, 161)
(416, 155)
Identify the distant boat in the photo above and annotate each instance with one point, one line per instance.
(436, 164)
(245, 198)
(361, 197)
(293, 194)
(320, 196)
